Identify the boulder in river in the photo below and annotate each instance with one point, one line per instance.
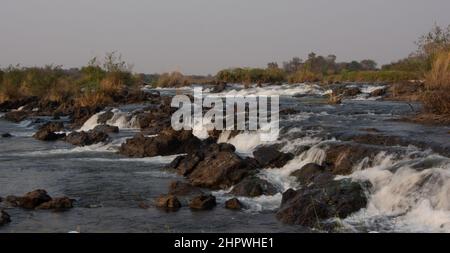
(47, 132)
(234, 204)
(4, 218)
(311, 205)
(203, 202)
(86, 138)
(341, 158)
(254, 187)
(270, 157)
(220, 170)
(309, 173)
(168, 202)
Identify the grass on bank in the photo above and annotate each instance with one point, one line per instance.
(436, 98)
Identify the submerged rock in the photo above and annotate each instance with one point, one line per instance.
(4, 218)
(311, 205)
(203, 202)
(86, 138)
(168, 202)
(6, 135)
(58, 204)
(254, 187)
(179, 188)
(270, 157)
(234, 204)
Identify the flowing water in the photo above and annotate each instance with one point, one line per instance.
(411, 185)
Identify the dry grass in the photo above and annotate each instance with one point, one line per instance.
(174, 79)
(436, 98)
(93, 98)
(305, 76)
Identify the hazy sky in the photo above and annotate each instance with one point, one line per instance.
(203, 36)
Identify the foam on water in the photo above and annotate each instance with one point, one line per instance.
(414, 193)
(122, 120)
(281, 90)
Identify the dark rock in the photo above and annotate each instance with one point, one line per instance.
(168, 202)
(4, 218)
(30, 200)
(254, 187)
(234, 204)
(168, 142)
(378, 92)
(6, 135)
(45, 135)
(86, 138)
(311, 205)
(80, 115)
(270, 157)
(308, 173)
(341, 158)
(16, 116)
(104, 117)
(53, 126)
(17, 103)
(288, 111)
(345, 91)
(220, 170)
(219, 87)
(203, 202)
(58, 204)
(107, 129)
(47, 132)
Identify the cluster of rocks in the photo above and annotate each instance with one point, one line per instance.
(34, 200)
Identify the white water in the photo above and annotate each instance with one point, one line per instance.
(281, 90)
(120, 119)
(417, 199)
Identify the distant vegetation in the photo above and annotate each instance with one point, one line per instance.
(94, 83)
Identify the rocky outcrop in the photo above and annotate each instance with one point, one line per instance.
(168, 142)
(309, 206)
(203, 202)
(4, 218)
(270, 157)
(234, 204)
(86, 138)
(254, 187)
(378, 92)
(17, 103)
(39, 199)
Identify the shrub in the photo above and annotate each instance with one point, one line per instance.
(305, 76)
(374, 76)
(436, 98)
(174, 79)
